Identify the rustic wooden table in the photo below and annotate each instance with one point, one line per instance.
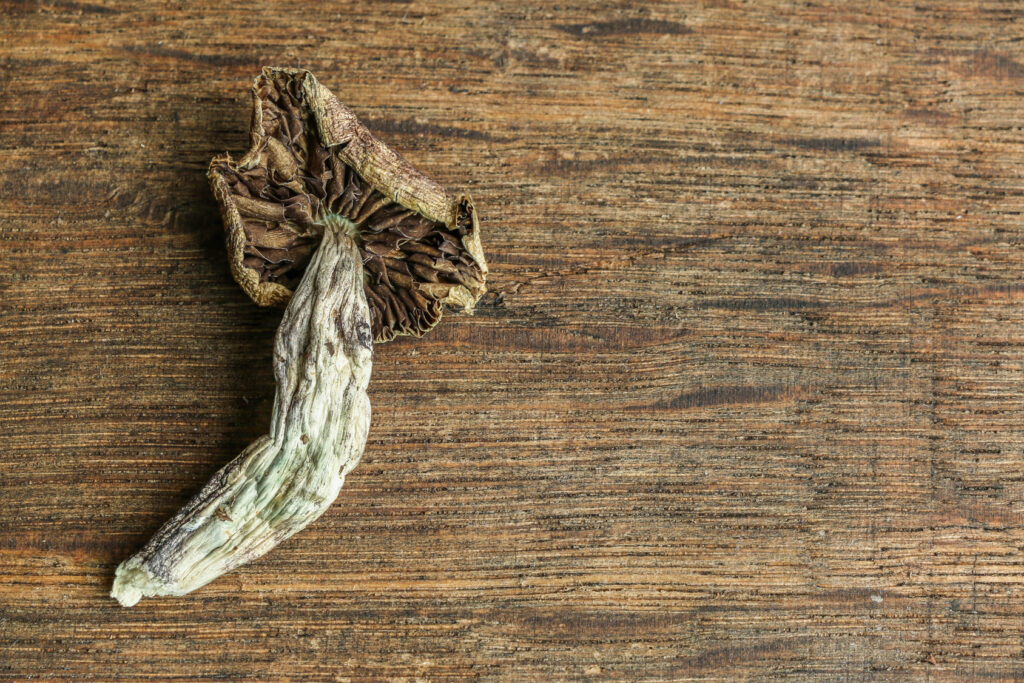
(745, 400)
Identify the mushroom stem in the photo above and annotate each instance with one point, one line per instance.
(285, 479)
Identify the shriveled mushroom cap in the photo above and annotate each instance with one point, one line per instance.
(312, 163)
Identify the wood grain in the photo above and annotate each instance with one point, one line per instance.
(744, 402)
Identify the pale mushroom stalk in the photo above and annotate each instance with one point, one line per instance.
(286, 479)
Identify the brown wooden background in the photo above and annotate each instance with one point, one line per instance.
(746, 399)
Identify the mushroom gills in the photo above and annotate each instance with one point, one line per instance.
(287, 478)
(312, 162)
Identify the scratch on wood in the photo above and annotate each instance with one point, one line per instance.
(600, 29)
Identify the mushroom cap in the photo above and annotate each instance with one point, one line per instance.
(311, 163)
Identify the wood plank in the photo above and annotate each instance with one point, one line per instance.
(744, 400)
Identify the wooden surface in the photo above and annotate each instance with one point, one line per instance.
(746, 399)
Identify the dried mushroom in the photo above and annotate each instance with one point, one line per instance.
(362, 247)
